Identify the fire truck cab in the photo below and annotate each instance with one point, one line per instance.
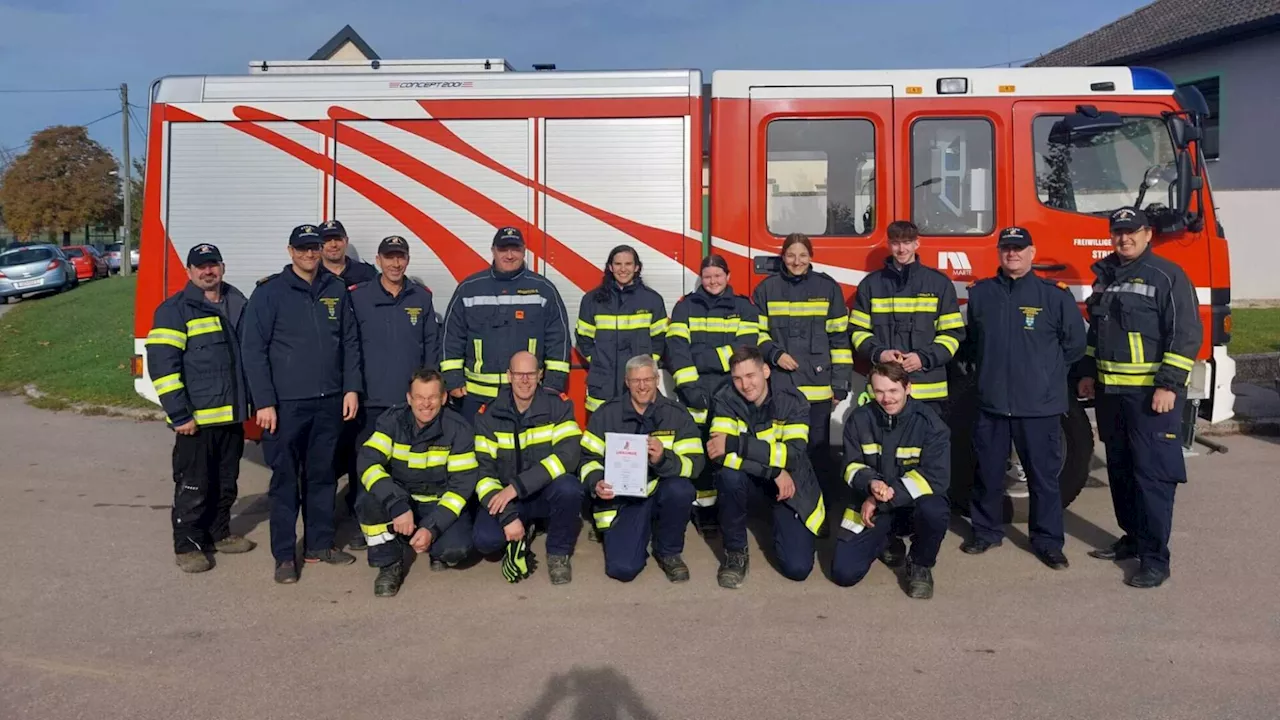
(838, 155)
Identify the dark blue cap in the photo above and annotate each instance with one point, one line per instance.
(1128, 219)
(508, 237)
(304, 236)
(1014, 237)
(202, 254)
(393, 244)
(332, 229)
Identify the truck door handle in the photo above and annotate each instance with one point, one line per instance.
(1049, 267)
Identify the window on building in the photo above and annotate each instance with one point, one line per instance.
(1208, 87)
(953, 176)
(820, 177)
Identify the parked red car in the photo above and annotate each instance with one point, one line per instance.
(89, 263)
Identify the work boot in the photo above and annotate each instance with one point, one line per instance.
(1148, 577)
(358, 543)
(286, 572)
(977, 546)
(1121, 549)
(559, 569)
(919, 582)
(193, 562)
(234, 544)
(895, 553)
(389, 580)
(674, 567)
(1055, 559)
(332, 556)
(438, 565)
(733, 571)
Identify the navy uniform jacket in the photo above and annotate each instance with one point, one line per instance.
(354, 273)
(398, 336)
(300, 340)
(805, 317)
(632, 321)
(703, 332)
(1026, 334)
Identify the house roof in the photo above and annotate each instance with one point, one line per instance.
(1165, 26)
(345, 35)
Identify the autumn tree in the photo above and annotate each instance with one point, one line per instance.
(63, 181)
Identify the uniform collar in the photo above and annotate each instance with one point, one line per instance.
(902, 273)
(431, 430)
(322, 279)
(710, 299)
(408, 289)
(499, 275)
(795, 279)
(1007, 281)
(504, 405)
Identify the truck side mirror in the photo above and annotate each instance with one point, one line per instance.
(767, 264)
(1183, 133)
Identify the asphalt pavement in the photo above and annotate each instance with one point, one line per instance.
(96, 622)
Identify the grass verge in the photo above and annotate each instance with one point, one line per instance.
(1256, 330)
(75, 347)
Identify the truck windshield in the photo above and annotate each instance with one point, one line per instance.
(1101, 172)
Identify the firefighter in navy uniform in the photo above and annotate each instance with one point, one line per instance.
(496, 313)
(302, 362)
(1027, 333)
(1144, 334)
(760, 437)
(618, 320)
(399, 335)
(193, 356)
(675, 457)
(528, 444)
(706, 326)
(418, 469)
(898, 462)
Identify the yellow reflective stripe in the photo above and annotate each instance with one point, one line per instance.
(904, 305)
(804, 308)
(949, 321)
(841, 356)
(951, 344)
(604, 518)
(565, 430)
(778, 455)
(860, 337)
(747, 328)
(816, 393)
(425, 498)
(688, 446)
(699, 416)
(837, 324)
(1128, 368)
(705, 498)
(908, 452)
(685, 375)
(795, 431)
(1090, 350)
(859, 319)
(553, 465)
(380, 441)
(1127, 380)
(486, 486)
(557, 366)
(421, 460)
(1136, 353)
(462, 462)
(486, 446)
(658, 327)
(726, 425)
(165, 336)
(486, 378)
(505, 440)
(852, 521)
(593, 443)
(676, 329)
(871, 449)
(373, 475)
(168, 383)
(533, 346)
(482, 390)
(733, 461)
(817, 518)
(686, 467)
(586, 329)
(204, 326)
(724, 352)
(454, 502)
(448, 365)
(540, 435)
(715, 324)
(852, 469)
(1182, 362)
(214, 416)
(916, 484)
(593, 403)
(929, 391)
(375, 530)
(637, 321)
(478, 347)
(588, 468)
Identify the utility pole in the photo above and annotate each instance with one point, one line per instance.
(126, 254)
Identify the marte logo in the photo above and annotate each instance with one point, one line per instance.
(413, 315)
(332, 304)
(956, 262)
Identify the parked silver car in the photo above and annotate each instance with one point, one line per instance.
(112, 254)
(34, 269)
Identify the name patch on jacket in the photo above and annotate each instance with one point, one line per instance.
(1029, 317)
(413, 315)
(332, 304)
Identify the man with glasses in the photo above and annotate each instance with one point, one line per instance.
(302, 361)
(1027, 333)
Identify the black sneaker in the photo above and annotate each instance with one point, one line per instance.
(332, 556)
(389, 580)
(1121, 549)
(1147, 577)
(358, 543)
(287, 572)
(919, 582)
(559, 569)
(1054, 559)
(977, 546)
(733, 570)
(674, 567)
(895, 553)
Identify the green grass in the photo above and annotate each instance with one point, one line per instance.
(75, 347)
(1256, 330)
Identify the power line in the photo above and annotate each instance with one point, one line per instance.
(137, 123)
(27, 144)
(59, 90)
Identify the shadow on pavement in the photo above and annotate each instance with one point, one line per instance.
(596, 694)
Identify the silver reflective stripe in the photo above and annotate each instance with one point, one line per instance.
(504, 300)
(1136, 288)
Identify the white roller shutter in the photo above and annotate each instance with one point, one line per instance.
(633, 167)
(241, 194)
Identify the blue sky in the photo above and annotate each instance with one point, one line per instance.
(102, 43)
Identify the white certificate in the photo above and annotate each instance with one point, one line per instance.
(626, 463)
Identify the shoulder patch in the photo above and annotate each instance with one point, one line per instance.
(564, 397)
(482, 409)
(1062, 286)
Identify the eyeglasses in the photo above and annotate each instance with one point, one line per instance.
(524, 376)
(649, 380)
(308, 250)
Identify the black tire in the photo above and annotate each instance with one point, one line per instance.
(961, 417)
